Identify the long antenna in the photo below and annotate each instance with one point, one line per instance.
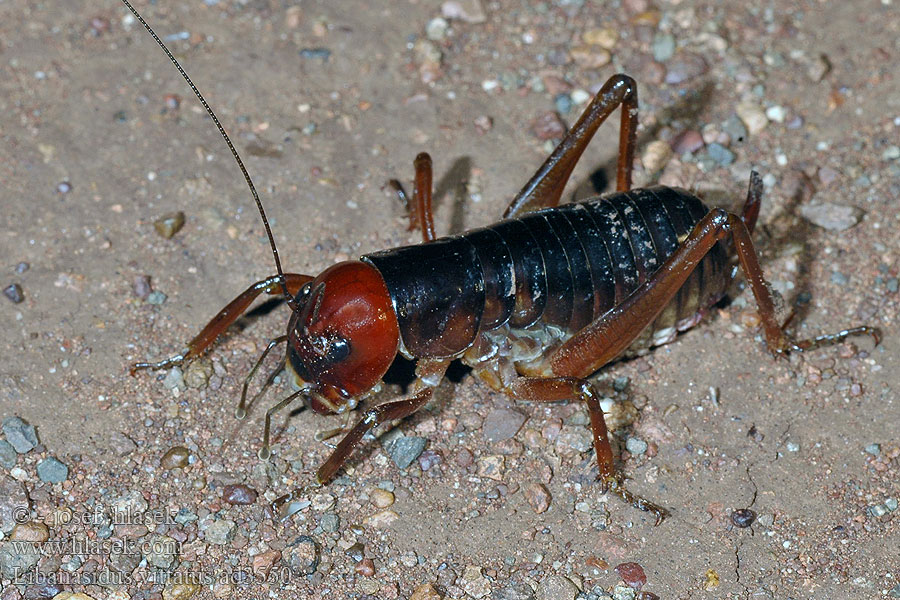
(262, 213)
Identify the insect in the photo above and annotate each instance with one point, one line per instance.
(534, 304)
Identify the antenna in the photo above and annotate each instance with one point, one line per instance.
(262, 213)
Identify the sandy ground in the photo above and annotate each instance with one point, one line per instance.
(327, 101)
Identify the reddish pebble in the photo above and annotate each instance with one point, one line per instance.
(365, 567)
(632, 574)
(537, 496)
(687, 141)
(239, 493)
(548, 126)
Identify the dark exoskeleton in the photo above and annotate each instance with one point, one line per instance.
(535, 304)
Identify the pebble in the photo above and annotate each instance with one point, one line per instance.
(405, 449)
(64, 187)
(238, 493)
(323, 502)
(7, 455)
(330, 522)
(574, 440)
(382, 519)
(474, 583)
(563, 103)
(776, 113)
(131, 502)
(365, 567)
(623, 592)
(891, 153)
(687, 141)
(632, 574)
(719, 153)
(636, 445)
(556, 587)
(834, 217)
(426, 591)
(16, 560)
(818, 68)
(663, 46)
(302, 556)
(197, 374)
(873, 449)
(169, 224)
(491, 466)
(174, 378)
(685, 66)
(839, 278)
(656, 155)
(743, 517)
(263, 562)
(548, 126)
(19, 434)
(14, 293)
(121, 444)
(470, 11)
(157, 298)
(381, 498)
(514, 591)
(31, 531)
(436, 29)
(734, 127)
(180, 591)
(218, 531)
(502, 424)
(161, 550)
(322, 54)
(175, 457)
(537, 496)
(51, 470)
(753, 117)
(590, 57)
(606, 37)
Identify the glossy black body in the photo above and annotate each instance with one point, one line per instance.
(561, 267)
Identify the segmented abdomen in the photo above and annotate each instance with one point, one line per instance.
(561, 267)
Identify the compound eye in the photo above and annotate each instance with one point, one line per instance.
(333, 349)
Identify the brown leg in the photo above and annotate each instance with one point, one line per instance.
(420, 214)
(546, 186)
(540, 389)
(429, 374)
(228, 315)
(607, 337)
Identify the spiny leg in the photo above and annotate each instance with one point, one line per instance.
(428, 375)
(241, 411)
(608, 336)
(549, 389)
(225, 317)
(546, 186)
(420, 212)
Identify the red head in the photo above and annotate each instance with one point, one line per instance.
(343, 335)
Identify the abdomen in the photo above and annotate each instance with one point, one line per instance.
(549, 272)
